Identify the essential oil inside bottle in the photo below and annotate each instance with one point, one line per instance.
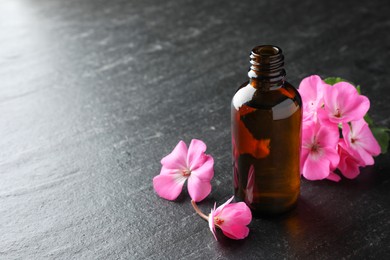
(266, 124)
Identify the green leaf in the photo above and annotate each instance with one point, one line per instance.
(381, 134)
(369, 120)
(358, 89)
(333, 80)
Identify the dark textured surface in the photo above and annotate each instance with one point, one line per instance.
(94, 93)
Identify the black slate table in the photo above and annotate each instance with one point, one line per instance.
(94, 93)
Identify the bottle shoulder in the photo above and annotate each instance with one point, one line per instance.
(246, 94)
(293, 93)
(281, 101)
(243, 95)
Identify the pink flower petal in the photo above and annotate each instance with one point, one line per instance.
(196, 156)
(220, 208)
(167, 171)
(197, 188)
(236, 213)
(236, 231)
(328, 136)
(358, 125)
(332, 156)
(211, 222)
(316, 169)
(205, 172)
(345, 144)
(344, 104)
(311, 90)
(348, 166)
(360, 143)
(365, 138)
(330, 100)
(334, 177)
(168, 186)
(357, 108)
(177, 158)
(304, 154)
(364, 156)
(308, 133)
(323, 117)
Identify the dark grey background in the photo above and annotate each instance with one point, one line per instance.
(94, 93)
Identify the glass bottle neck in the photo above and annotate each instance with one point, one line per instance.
(267, 67)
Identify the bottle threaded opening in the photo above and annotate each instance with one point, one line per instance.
(267, 65)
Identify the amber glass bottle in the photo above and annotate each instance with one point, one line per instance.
(266, 127)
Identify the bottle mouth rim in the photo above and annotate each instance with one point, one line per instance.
(266, 51)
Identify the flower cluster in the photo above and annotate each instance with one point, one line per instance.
(194, 165)
(334, 132)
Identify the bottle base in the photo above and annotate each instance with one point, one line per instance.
(270, 211)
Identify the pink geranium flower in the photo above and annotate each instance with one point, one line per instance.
(359, 142)
(183, 164)
(311, 90)
(318, 155)
(231, 218)
(343, 104)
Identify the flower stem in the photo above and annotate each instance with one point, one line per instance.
(200, 213)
